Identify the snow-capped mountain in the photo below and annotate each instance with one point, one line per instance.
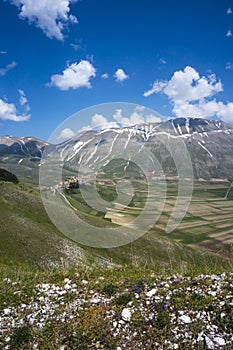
(208, 142)
(21, 156)
(21, 146)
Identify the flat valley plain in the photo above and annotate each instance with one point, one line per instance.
(208, 222)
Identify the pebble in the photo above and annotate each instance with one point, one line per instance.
(151, 292)
(126, 314)
(185, 319)
(219, 341)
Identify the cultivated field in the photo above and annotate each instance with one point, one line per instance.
(207, 223)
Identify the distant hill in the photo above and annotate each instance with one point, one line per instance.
(8, 176)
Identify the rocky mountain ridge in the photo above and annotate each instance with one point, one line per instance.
(209, 143)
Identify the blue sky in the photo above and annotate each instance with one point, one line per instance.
(58, 57)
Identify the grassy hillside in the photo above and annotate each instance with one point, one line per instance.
(26, 233)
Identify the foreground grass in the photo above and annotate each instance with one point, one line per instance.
(117, 308)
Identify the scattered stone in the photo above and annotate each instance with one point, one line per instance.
(126, 314)
(185, 319)
(151, 292)
(219, 341)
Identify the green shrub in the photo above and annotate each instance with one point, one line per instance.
(21, 336)
(109, 289)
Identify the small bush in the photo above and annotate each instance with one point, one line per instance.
(21, 336)
(123, 299)
(163, 320)
(109, 289)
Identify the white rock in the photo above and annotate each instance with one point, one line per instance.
(95, 300)
(213, 293)
(31, 321)
(85, 282)
(219, 341)
(209, 343)
(126, 314)
(151, 292)
(6, 311)
(185, 319)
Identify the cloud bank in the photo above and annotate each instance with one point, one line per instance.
(193, 96)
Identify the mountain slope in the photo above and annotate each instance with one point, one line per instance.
(208, 143)
(21, 156)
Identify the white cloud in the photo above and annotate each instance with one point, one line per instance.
(101, 122)
(187, 85)
(23, 100)
(205, 109)
(8, 67)
(120, 75)
(76, 47)
(3, 52)
(140, 108)
(229, 33)
(138, 116)
(225, 112)
(229, 66)
(229, 11)
(74, 76)
(192, 95)
(161, 60)
(157, 86)
(66, 134)
(151, 118)
(105, 76)
(135, 118)
(52, 16)
(8, 112)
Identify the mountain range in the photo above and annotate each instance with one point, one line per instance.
(208, 142)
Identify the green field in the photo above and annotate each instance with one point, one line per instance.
(207, 223)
